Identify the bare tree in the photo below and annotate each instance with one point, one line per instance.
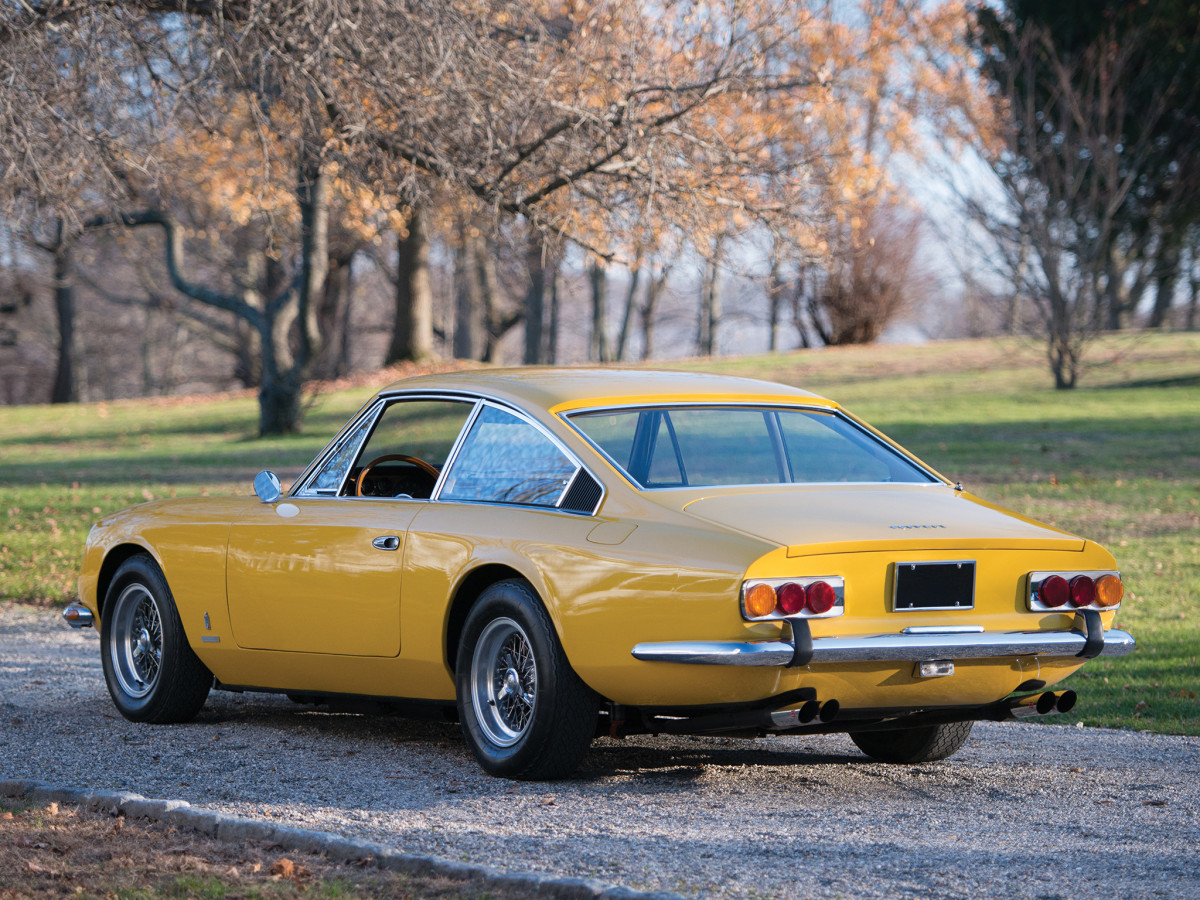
(1071, 232)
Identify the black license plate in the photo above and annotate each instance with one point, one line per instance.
(943, 585)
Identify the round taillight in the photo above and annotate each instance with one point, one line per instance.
(791, 598)
(820, 597)
(760, 601)
(1109, 591)
(1054, 591)
(1083, 591)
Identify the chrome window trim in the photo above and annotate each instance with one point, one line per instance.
(568, 415)
(436, 493)
(478, 401)
(304, 482)
(559, 445)
(381, 402)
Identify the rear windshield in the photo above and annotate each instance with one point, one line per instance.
(698, 446)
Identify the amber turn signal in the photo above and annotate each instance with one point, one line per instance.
(760, 600)
(1109, 591)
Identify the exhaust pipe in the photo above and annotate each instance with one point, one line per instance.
(811, 711)
(1041, 704)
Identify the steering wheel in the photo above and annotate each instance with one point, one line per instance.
(392, 457)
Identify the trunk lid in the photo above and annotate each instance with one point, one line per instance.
(813, 519)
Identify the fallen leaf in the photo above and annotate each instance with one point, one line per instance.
(284, 868)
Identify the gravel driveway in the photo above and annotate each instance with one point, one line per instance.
(1022, 811)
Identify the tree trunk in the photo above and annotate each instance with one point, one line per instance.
(345, 361)
(552, 336)
(598, 351)
(247, 366)
(535, 298)
(710, 305)
(1194, 286)
(630, 304)
(653, 292)
(334, 359)
(279, 403)
(1166, 277)
(776, 288)
(1064, 360)
(66, 389)
(496, 323)
(412, 335)
(312, 196)
(468, 304)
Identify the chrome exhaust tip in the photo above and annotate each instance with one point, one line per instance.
(808, 713)
(1043, 704)
(829, 710)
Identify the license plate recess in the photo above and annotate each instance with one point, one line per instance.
(934, 585)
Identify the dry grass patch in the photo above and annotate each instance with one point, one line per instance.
(53, 850)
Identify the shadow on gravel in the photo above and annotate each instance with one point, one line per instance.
(673, 766)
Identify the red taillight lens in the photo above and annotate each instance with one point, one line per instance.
(1109, 591)
(1083, 591)
(791, 598)
(820, 597)
(1054, 591)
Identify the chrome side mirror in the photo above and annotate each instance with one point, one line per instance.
(267, 487)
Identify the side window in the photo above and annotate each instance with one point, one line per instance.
(329, 479)
(407, 449)
(819, 451)
(664, 468)
(506, 460)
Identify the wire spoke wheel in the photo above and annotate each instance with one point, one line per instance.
(136, 641)
(524, 711)
(504, 681)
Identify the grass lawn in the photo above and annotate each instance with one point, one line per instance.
(1116, 460)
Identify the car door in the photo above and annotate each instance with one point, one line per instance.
(320, 570)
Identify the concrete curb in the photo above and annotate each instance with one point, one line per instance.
(225, 828)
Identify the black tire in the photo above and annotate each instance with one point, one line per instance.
(913, 745)
(151, 671)
(524, 712)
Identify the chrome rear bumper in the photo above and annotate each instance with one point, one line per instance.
(1087, 639)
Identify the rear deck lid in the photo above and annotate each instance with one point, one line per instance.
(852, 518)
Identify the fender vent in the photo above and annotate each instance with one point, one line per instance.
(583, 494)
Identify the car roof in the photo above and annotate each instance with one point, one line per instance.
(563, 389)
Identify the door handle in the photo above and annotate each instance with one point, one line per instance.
(387, 542)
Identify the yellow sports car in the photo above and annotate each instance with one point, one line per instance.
(560, 554)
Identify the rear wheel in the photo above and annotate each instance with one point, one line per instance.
(913, 745)
(524, 712)
(151, 671)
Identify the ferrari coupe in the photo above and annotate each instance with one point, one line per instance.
(552, 555)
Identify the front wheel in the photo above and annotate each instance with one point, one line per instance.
(524, 712)
(913, 745)
(151, 671)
